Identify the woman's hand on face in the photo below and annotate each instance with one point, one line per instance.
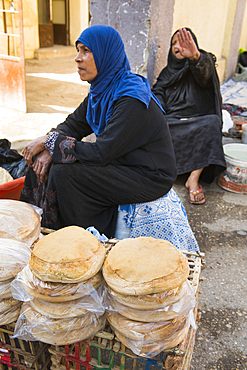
(41, 165)
(34, 147)
(188, 48)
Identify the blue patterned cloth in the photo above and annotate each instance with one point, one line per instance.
(164, 218)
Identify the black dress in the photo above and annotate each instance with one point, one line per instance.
(190, 94)
(132, 161)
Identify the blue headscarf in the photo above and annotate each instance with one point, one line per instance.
(114, 78)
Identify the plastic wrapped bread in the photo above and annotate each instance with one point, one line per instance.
(31, 325)
(14, 256)
(26, 286)
(185, 302)
(5, 288)
(20, 220)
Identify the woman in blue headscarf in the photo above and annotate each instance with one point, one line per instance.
(82, 183)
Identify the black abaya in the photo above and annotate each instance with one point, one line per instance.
(190, 94)
(132, 161)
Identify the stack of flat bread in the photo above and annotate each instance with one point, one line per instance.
(14, 256)
(149, 297)
(20, 220)
(62, 286)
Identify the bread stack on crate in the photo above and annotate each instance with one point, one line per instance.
(61, 288)
(19, 227)
(148, 299)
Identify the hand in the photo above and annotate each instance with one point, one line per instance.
(41, 165)
(188, 48)
(34, 147)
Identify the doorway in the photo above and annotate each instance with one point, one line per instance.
(53, 22)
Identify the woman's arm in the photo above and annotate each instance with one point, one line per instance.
(76, 124)
(199, 61)
(203, 70)
(127, 130)
(158, 89)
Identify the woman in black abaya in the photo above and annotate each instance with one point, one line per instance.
(189, 91)
(132, 161)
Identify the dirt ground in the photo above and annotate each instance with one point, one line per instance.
(53, 91)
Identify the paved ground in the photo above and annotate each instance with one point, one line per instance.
(221, 341)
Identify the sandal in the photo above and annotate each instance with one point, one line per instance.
(193, 195)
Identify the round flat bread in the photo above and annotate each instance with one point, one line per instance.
(145, 265)
(4, 176)
(78, 307)
(5, 235)
(20, 220)
(66, 337)
(146, 332)
(38, 321)
(11, 315)
(148, 301)
(5, 291)
(181, 307)
(7, 304)
(153, 348)
(57, 292)
(68, 255)
(143, 315)
(14, 256)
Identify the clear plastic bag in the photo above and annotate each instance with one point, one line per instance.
(19, 219)
(153, 348)
(147, 332)
(148, 301)
(31, 325)
(186, 301)
(89, 303)
(14, 256)
(26, 286)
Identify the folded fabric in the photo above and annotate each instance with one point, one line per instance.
(164, 218)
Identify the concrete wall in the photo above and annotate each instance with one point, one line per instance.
(243, 36)
(161, 29)
(30, 27)
(207, 19)
(79, 18)
(131, 19)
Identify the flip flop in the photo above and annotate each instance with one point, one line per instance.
(194, 193)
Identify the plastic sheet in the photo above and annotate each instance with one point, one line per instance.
(14, 256)
(20, 220)
(31, 325)
(26, 286)
(5, 290)
(181, 307)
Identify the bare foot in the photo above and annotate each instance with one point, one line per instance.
(196, 196)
